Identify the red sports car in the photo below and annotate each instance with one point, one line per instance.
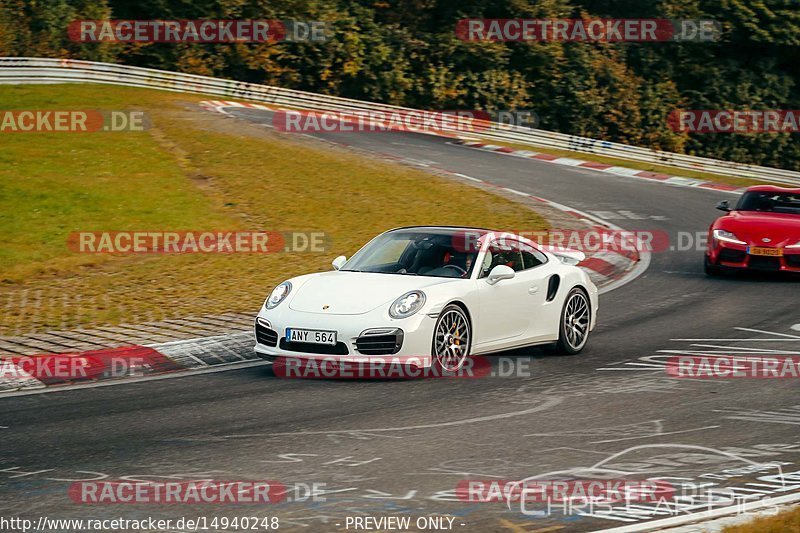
(762, 232)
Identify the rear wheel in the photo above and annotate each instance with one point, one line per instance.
(452, 339)
(576, 316)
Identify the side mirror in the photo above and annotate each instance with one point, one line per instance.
(500, 272)
(339, 262)
(724, 206)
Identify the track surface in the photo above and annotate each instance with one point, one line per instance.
(400, 448)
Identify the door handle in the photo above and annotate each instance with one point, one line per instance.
(533, 290)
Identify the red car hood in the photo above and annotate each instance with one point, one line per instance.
(752, 227)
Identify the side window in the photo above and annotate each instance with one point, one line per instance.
(531, 257)
(504, 252)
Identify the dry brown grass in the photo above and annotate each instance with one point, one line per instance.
(785, 522)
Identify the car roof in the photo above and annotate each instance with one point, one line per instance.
(772, 188)
(447, 229)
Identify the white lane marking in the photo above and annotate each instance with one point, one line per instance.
(648, 365)
(787, 415)
(183, 374)
(653, 428)
(623, 171)
(686, 182)
(724, 354)
(552, 402)
(795, 339)
(638, 270)
(614, 258)
(628, 369)
(675, 181)
(729, 349)
(568, 161)
(514, 191)
(467, 177)
(655, 435)
(707, 348)
(768, 332)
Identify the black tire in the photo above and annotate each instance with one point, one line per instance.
(453, 321)
(711, 270)
(573, 334)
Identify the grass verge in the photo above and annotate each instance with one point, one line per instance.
(190, 171)
(785, 522)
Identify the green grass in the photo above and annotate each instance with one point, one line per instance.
(192, 170)
(52, 184)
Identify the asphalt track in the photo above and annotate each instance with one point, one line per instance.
(399, 448)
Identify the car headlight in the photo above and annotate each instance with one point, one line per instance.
(795, 245)
(727, 236)
(278, 295)
(407, 304)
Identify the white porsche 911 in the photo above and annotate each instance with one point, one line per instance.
(439, 294)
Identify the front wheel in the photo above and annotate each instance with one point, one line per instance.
(576, 317)
(711, 270)
(452, 339)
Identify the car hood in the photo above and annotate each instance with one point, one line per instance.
(752, 227)
(355, 293)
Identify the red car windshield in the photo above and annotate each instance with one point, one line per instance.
(770, 202)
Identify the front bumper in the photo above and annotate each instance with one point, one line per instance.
(735, 256)
(400, 339)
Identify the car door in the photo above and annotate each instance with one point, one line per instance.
(542, 275)
(506, 307)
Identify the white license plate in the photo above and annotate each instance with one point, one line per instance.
(313, 336)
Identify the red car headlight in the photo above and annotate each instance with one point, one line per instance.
(727, 236)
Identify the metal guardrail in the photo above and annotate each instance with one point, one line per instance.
(42, 70)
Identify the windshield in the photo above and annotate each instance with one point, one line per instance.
(435, 253)
(770, 202)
